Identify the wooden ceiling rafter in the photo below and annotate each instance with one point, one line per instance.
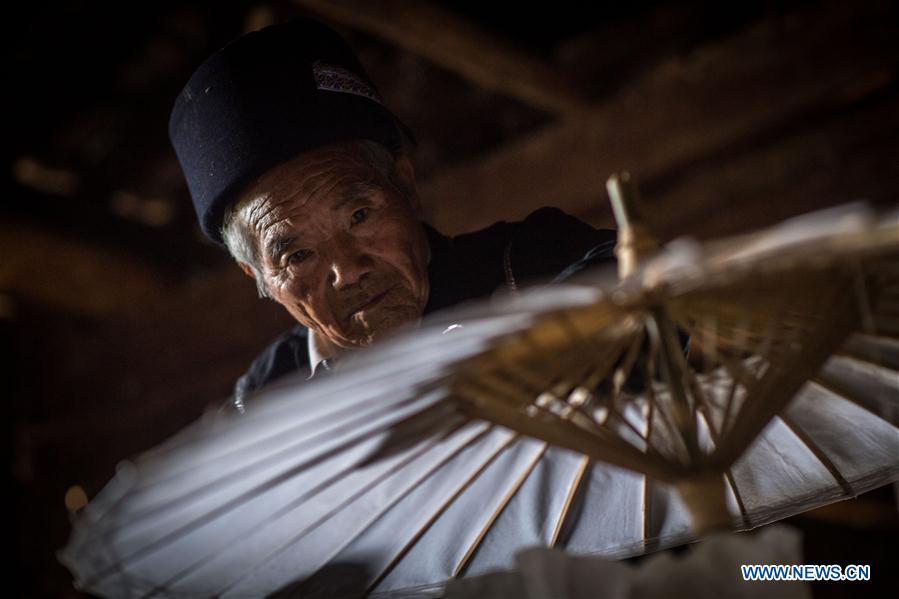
(459, 45)
(678, 115)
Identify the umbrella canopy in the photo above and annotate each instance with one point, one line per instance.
(567, 417)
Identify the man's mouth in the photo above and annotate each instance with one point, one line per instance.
(371, 302)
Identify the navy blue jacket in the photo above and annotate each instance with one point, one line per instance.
(548, 244)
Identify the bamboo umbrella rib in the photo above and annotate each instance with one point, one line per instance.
(729, 401)
(625, 372)
(819, 453)
(578, 415)
(611, 351)
(611, 445)
(276, 440)
(547, 353)
(574, 366)
(766, 348)
(876, 350)
(517, 372)
(672, 369)
(630, 359)
(708, 341)
(740, 375)
(591, 380)
(737, 373)
(852, 396)
(737, 314)
(409, 425)
(665, 415)
(566, 388)
(715, 438)
(193, 567)
(595, 371)
(429, 416)
(646, 504)
(528, 378)
(778, 385)
(738, 497)
(142, 551)
(729, 475)
(754, 403)
(591, 360)
(439, 511)
(348, 417)
(590, 343)
(488, 389)
(648, 448)
(523, 383)
(510, 493)
(576, 363)
(573, 489)
(504, 388)
(702, 404)
(362, 491)
(753, 413)
(561, 433)
(331, 385)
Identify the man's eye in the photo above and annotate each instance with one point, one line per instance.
(359, 215)
(298, 256)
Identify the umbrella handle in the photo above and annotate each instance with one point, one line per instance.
(635, 242)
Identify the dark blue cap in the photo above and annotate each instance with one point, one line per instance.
(265, 98)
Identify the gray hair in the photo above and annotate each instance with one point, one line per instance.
(240, 241)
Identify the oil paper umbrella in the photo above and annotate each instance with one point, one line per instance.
(567, 417)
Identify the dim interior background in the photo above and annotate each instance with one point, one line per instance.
(124, 324)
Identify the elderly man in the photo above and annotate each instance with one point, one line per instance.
(296, 166)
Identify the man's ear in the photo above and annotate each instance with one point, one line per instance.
(247, 270)
(404, 178)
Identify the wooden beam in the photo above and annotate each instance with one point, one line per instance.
(76, 277)
(847, 158)
(710, 103)
(73, 276)
(457, 44)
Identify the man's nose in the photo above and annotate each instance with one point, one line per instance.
(349, 264)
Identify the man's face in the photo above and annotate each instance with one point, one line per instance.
(340, 245)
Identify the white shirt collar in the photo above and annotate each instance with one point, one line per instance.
(318, 352)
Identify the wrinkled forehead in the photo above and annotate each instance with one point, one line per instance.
(310, 174)
(311, 181)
